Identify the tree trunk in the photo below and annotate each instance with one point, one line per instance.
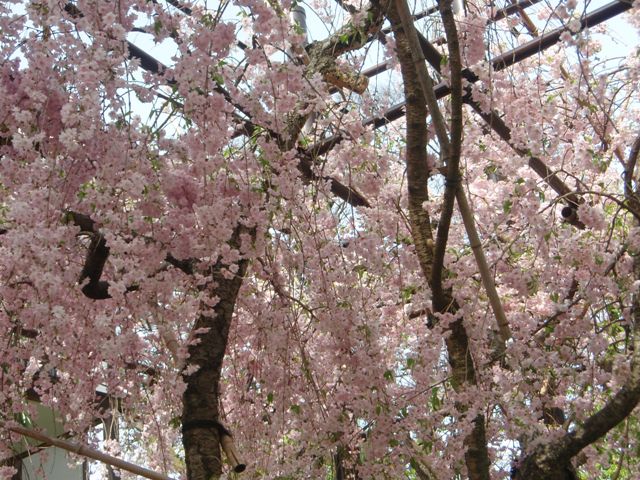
(201, 425)
(418, 171)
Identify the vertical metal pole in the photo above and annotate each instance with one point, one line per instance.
(299, 17)
(111, 432)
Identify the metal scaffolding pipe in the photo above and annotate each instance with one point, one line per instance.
(85, 451)
(499, 15)
(500, 62)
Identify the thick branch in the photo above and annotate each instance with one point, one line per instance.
(451, 155)
(305, 167)
(552, 461)
(344, 192)
(187, 266)
(450, 151)
(426, 86)
(631, 162)
(426, 82)
(200, 414)
(454, 152)
(352, 36)
(94, 262)
(455, 80)
(416, 150)
(98, 253)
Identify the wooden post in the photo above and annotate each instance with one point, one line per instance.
(230, 451)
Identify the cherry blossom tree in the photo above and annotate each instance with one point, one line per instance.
(240, 234)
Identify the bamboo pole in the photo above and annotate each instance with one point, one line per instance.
(465, 210)
(232, 456)
(85, 451)
(483, 266)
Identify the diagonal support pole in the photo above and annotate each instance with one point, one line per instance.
(465, 209)
(85, 451)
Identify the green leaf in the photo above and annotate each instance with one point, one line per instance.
(24, 419)
(360, 270)
(407, 292)
(435, 399)
(157, 26)
(216, 77)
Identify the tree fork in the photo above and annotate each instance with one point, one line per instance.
(552, 460)
(459, 356)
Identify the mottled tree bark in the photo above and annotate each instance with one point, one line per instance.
(201, 425)
(460, 360)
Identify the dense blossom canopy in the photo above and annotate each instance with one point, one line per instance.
(223, 234)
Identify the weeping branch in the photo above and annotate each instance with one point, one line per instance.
(347, 39)
(505, 60)
(200, 415)
(552, 460)
(493, 120)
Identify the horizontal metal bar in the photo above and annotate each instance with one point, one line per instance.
(500, 62)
